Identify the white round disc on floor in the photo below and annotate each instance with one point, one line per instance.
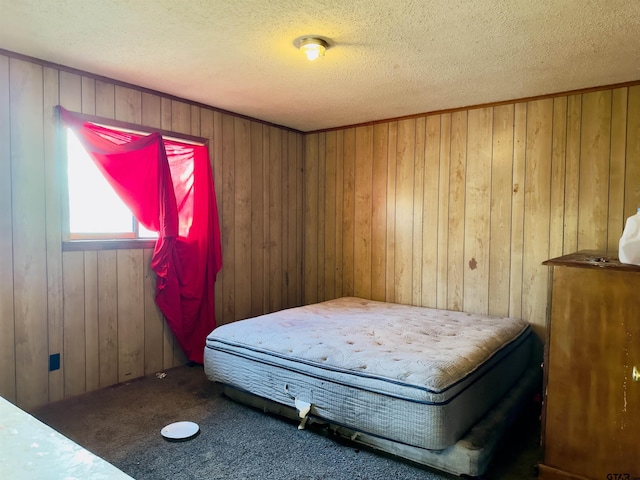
(180, 431)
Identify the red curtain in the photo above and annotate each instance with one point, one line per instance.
(168, 186)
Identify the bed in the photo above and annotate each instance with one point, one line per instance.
(436, 387)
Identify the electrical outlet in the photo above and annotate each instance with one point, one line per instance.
(54, 362)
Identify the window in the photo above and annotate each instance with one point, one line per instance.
(97, 217)
(167, 183)
(95, 210)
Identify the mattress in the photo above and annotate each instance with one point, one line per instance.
(413, 375)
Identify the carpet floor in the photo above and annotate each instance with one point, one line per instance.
(122, 425)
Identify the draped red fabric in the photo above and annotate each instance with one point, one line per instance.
(168, 186)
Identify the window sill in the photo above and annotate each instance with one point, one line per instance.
(119, 244)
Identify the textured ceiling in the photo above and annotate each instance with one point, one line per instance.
(389, 58)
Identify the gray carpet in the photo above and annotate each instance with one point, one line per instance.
(122, 425)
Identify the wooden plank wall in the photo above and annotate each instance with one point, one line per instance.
(458, 210)
(96, 308)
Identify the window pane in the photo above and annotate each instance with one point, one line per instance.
(144, 233)
(93, 205)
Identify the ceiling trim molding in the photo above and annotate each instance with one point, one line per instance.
(45, 63)
(482, 105)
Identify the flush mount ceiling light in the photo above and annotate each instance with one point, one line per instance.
(312, 47)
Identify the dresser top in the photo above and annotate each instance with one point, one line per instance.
(591, 259)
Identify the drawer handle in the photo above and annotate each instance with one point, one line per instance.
(635, 374)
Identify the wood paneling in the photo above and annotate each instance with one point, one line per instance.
(362, 211)
(91, 327)
(378, 211)
(456, 215)
(348, 210)
(29, 231)
(96, 308)
(108, 317)
(517, 210)
(322, 186)
(227, 226)
(312, 221)
(258, 279)
(477, 222)
(73, 362)
(501, 171)
(130, 333)
(632, 176)
(464, 207)
(329, 213)
(390, 273)
(339, 210)
(431, 191)
(7, 319)
(242, 220)
(418, 211)
(276, 272)
(55, 175)
(572, 173)
(594, 170)
(443, 211)
(403, 215)
(616, 215)
(558, 165)
(295, 247)
(454, 210)
(537, 188)
(153, 321)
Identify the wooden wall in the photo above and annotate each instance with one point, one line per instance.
(453, 210)
(96, 308)
(458, 210)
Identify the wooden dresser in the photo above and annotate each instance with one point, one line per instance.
(591, 417)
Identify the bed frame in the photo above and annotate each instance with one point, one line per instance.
(469, 457)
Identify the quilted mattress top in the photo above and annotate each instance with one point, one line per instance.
(431, 349)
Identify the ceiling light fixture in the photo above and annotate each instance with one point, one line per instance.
(312, 47)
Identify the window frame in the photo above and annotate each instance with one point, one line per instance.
(83, 242)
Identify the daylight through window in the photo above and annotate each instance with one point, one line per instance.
(95, 210)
